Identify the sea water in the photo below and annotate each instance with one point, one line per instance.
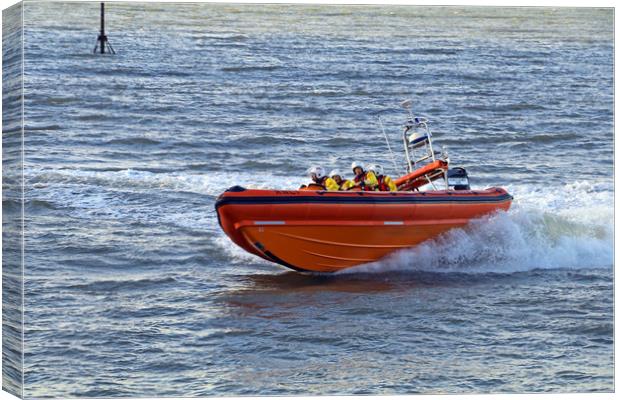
(132, 289)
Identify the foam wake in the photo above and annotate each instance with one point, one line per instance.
(547, 228)
(213, 183)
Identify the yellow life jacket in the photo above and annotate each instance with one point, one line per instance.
(346, 184)
(330, 184)
(369, 180)
(386, 184)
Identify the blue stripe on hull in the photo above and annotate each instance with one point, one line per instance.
(418, 199)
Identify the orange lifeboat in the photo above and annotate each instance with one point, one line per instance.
(314, 230)
(321, 231)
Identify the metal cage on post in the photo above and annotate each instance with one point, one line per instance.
(418, 143)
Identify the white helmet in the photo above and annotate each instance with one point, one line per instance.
(335, 172)
(356, 164)
(376, 168)
(317, 170)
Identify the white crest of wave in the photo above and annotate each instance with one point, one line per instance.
(207, 183)
(236, 253)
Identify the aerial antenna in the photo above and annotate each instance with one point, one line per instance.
(388, 143)
(102, 39)
(408, 105)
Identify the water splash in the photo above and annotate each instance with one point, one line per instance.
(547, 228)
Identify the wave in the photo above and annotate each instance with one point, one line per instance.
(134, 141)
(122, 285)
(504, 107)
(236, 254)
(53, 101)
(126, 178)
(547, 228)
(213, 183)
(53, 127)
(35, 206)
(251, 68)
(272, 140)
(232, 37)
(553, 137)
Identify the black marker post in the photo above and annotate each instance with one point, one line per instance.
(102, 39)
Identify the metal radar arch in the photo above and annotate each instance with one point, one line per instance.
(418, 143)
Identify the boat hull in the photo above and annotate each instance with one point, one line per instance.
(331, 231)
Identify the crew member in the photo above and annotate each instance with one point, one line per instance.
(318, 176)
(384, 182)
(343, 184)
(365, 180)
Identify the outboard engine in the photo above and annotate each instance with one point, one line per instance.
(458, 179)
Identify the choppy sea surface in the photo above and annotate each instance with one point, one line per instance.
(133, 290)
